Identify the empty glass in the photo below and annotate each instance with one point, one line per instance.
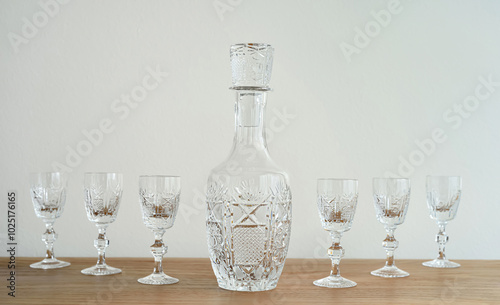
(391, 197)
(103, 192)
(337, 200)
(159, 197)
(443, 198)
(48, 193)
(249, 202)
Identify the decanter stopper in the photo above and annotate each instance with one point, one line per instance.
(251, 65)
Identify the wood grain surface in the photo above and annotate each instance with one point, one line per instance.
(476, 282)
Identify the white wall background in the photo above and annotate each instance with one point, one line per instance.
(352, 119)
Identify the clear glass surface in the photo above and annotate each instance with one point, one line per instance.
(48, 193)
(102, 192)
(249, 206)
(159, 199)
(443, 198)
(251, 65)
(337, 200)
(391, 197)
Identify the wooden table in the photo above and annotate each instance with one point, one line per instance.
(476, 282)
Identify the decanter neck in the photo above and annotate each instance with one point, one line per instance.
(249, 120)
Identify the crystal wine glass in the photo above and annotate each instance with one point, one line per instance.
(159, 197)
(337, 200)
(391, 197)
(103, 192)
(443, 198)
(48, 193)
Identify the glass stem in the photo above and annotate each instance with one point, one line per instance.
(442, 239)
(49, 237)
(390, 244)
(336, 252)
(101, 243)
(158, 249)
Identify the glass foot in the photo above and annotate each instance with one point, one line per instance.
(335, 282)
(52, 263)
(392, 271)
(158, 279)
(441, 263)
(101, 270)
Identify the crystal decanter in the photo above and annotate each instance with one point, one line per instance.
(249, 207)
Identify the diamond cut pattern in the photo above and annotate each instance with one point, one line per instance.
(251, 64)
(337, 209)
(248, 231)
(248, 243)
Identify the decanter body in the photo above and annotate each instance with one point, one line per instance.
(249, 205)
